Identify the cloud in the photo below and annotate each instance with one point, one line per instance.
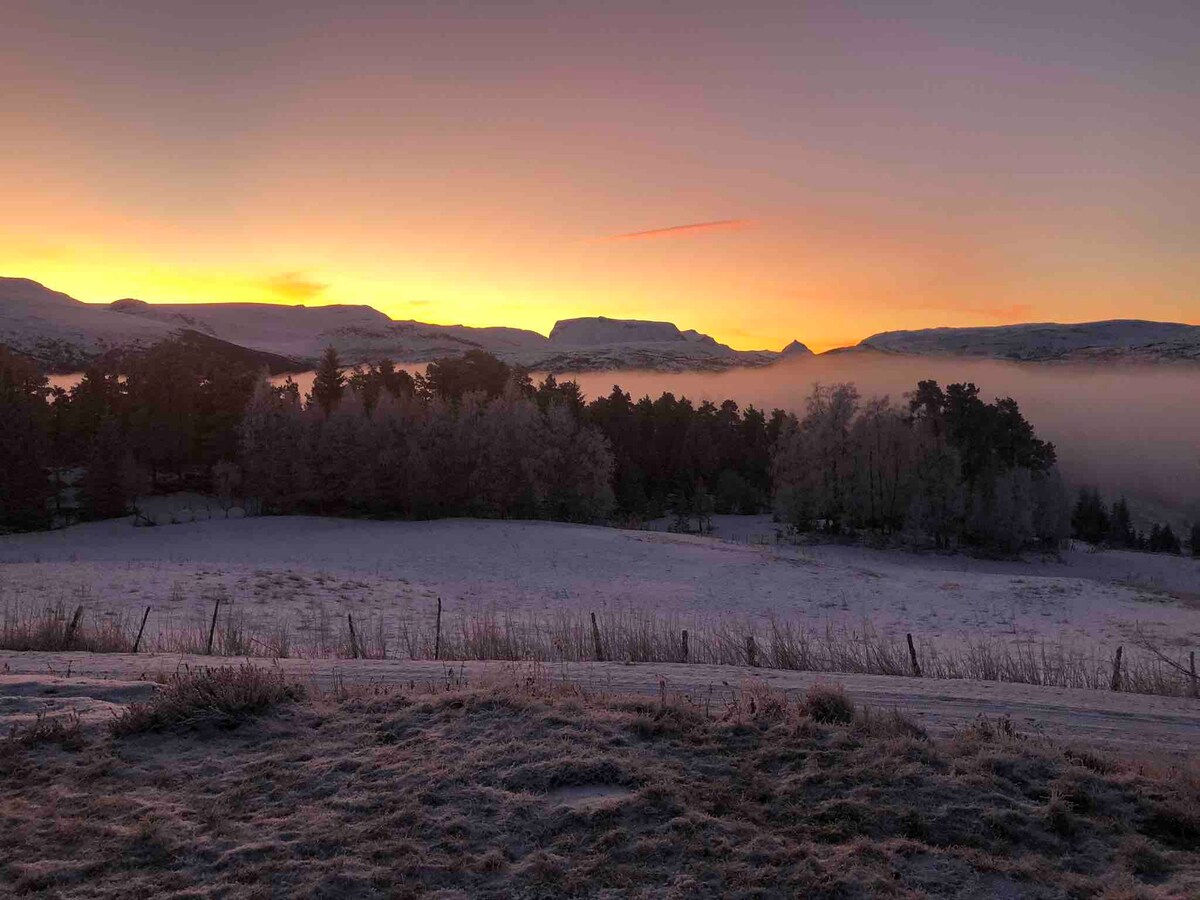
(294, 286)
(679, 230)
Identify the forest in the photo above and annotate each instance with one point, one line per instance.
(472, 436)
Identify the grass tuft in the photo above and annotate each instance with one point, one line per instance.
(829, 704)
(220, 698)
(65, 731)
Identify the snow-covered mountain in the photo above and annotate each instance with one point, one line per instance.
(598, 343)
(1118, 340)
(63, 334)
(363, 334)
(358, 333)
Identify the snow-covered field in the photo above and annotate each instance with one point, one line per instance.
(297, 569)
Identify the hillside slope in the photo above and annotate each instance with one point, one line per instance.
(64, 334)
(1121, 340)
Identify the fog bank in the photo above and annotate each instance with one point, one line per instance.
(1126, 429)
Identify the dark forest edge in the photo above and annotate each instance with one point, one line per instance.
(476, 437)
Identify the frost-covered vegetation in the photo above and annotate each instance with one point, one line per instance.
(473, 436)
(947, 467)
(528, 787)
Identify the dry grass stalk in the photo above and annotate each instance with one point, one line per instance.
(220, 697)
(526, 786)
(632, 636)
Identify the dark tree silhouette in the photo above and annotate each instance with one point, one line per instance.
(329, 382)
(24, 444)
(109, 481)
(474, 371)
(1089, 520)
(1120, 529)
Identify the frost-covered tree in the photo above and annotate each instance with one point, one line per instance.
(272, 441)
(884, 444)
(513, 434)
(339, 460)
(1052, 509)
(814, 461)
(574, 469)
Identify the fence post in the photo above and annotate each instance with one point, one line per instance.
(70, 635)
(1195, 682)
(1116, 673)
(437, 636)
(212, 629)
(751, 651)
(599, 648)
(912, 656)
(683, 645)
(353, 636)
(138, 642)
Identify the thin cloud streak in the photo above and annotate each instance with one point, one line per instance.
(679, 230)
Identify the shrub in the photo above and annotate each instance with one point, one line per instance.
(222, 698)
(66, 731)
(829, 704)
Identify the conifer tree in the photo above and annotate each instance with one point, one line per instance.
(109, 483)
(24, 451)
(1120, 529)
(329, 382)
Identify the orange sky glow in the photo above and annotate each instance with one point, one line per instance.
(757, 171)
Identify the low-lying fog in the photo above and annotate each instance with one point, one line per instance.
(1126, 429)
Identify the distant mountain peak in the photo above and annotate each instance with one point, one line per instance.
(65, 334)
(595, 330)
(1124, 340)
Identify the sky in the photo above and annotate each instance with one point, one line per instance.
(757, 171)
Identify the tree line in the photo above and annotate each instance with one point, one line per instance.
(1092, 520)
(946, 465)
(474, 436)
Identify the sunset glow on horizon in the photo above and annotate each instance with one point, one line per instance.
(819, 172)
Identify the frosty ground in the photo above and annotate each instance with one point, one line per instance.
(399, 777)
(299, 570)
(235, 782)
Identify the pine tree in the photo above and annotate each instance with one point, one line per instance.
(109, 482)
(1090, 520)
(1163, 539)
(1120, 530)
(24, 445)
(1170, 543)
(1195, 540)
(274, 469)
(329, 383)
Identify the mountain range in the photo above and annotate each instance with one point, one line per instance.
(64, 334)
